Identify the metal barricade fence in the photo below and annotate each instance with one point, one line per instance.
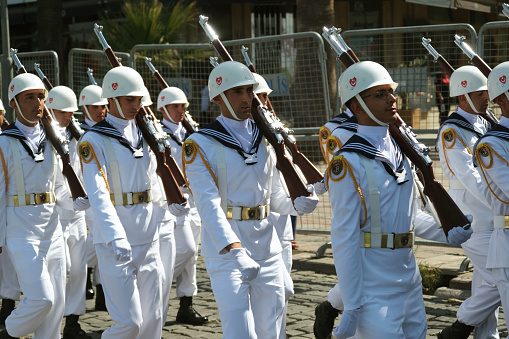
(292, 64)
(81, 59)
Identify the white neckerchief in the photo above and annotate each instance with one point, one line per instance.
(90, 122)
(380, 138)
(178, 129)
(348, 112)
(504, 121)
(474, 119)
(33, 134)
(240, 129)
(126, 127)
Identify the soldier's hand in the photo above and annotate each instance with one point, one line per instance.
(458, 235)
(179, 210)
(248, 267)
(122, 249)
(348, 324)
(305, 205)
(320, 188)
(81, 204)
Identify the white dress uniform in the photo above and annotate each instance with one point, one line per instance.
(111, 164)
(188, 227)
(455, 143)
(336, 132)
(228, 166)
(30, 230)
(372, 235)
(492, 154)
(75, 236)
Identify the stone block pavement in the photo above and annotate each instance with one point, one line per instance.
(312, 279)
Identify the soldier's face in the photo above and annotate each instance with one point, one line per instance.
(31, 103)
(176, 111)
(63, 118)
(263, 98)
(480, 100)
(240, 99)
(381, 101)
(130, 106)
(97, 112)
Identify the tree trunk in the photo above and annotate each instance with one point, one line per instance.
(49, 29)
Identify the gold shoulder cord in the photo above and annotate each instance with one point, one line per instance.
(341, 162)
(5, 169)
(87, 153)
(324, 133)
(191, 149)
(454, 135)
(483, 148)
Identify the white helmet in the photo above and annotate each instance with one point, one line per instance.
(62, 98)
(229, 74)
(498, 80)
(25, 82)
(123, 81)
(2, 108)
(146, 100)
(262, 87)
(467, 79)
(92, 95)
(361, 76)
(171, 95)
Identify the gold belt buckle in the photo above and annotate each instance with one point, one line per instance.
(251, 213)
(140, 197)
(403, 240)
(506, 221)
(39, 198)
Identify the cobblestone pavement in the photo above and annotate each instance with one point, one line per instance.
(310, 289)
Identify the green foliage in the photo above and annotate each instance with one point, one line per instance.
(431, 277)
(148, 22)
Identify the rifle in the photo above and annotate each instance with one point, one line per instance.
(74, 126)
(331, 36)
(267, 124)
(189, 124)
(57, 141)
(309, 170)
(481, 65)
(448, 212)
(155, 138)
(90, 73)
(5, 124)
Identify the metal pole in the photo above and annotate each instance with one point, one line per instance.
(6, 61)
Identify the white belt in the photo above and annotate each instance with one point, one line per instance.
(31, 199)
(455, 184)
(248, 213)
(501, 222)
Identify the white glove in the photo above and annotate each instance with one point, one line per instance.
(185, 190)
(122, 249)
(305, 205)
(320, 188)
(248, 267)
(458, 235)
(81, 203)
(178, 210)
(347, 324)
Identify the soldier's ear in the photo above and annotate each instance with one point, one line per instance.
(356, 107)
(12, 104)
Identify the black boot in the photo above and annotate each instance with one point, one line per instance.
(7, 308)
(100, 304)
(187, 314)
(72, 329)
(325, 315)
(457, 330)
(90, 290)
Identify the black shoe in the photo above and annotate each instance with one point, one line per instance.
(187, 314)
(457, 330)
(7, 308)
(89, 290)
(5, 335)
(325, 315)
(72, 329)
(100, 304)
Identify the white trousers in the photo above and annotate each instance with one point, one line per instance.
(394, 316)
(40, 267)
(132, 291)
(501, 276)
(481, 309)
(9, 284)
(253, 309)
(92, 259)
(286, 255)
(75, 235)
(167, 250)
(187, 239)
(335, 299)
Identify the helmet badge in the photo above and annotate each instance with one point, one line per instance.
(82, 97)
(12, 88)
(464, 83)
(50, 100)
(114, 86)
(219, 81)
(353, 82)
(502, 79)
(162, 98)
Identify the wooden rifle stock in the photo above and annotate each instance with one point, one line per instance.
(144, 119)
(74, 183)
(296, 186)
(446, 67)
(310, 172)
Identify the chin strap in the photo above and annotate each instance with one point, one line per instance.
(21, 113)
(87, 113)
(471, 104)
(366, 109)
(119, 109)
(227, 103)
(169, 116)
